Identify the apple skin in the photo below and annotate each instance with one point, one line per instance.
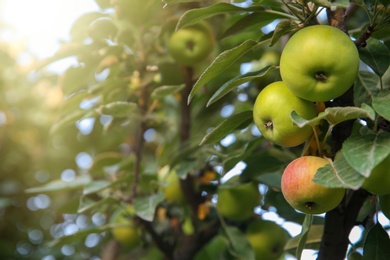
(127, 236)
(172, 188)
(302, 193)
(237, 201)
(192, 44)
(267, 239)
(379, 180)
(384, 203)
(319, 63)
(272, 115)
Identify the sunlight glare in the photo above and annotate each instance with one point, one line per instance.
(41, 24)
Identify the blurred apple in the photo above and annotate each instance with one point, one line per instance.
(192, 44)
(379, 180)
(236, 201)
(127, 232)
(267, 239)
(170, 185)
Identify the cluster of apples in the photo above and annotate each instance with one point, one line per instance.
(319, 63)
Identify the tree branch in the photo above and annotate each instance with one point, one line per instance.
(165, 247)
(338, 225)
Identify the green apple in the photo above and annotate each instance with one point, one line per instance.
(236, 201)
(302, 193)
(379, 180)
(170, 185)
(267, 239)
(319, 63)
(126, 233)
(384, 203)
(192, 44)
(272, 115)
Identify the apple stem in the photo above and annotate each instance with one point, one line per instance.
(321, 76)
(190, 45)
(310, 204)
(269, 125)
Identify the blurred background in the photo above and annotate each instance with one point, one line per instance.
(32, 31)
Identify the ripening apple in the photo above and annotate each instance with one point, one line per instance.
(236, 201)
(379, 180)
(319, 63)
(302, 193)
(127, 233)
(384, 203)
(272, 115)
(267, 239)
(170, 185)
(192, 44)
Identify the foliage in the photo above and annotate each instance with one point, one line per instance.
(130, 115)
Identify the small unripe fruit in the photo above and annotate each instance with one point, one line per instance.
(191, 45)
(237, 201)
(267, 239)
(127, 233)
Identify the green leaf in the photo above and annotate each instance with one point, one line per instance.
(366, 86)
(172, 2)
(226, 127)
(377, 244)
(221, 63)
(239, 245)
(335, 115)
(256, 19)
(145, 207)
(102, 160)
(119, 109)
(87, 204)
(306, 225)
(60, 185)
(80, 235)
(283, 27)
(336, 3)
(243, 153)
(237, 81)
(95, 186)
(74, 79)
(163, 91)
(381, 104)
(107, 85)
(313, 238)
(376, 55)
(196, 15)
(365, 152)
(68, 120)
(338, 174)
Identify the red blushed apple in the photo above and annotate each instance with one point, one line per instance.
(302, 193)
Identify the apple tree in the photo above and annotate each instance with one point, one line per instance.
(158, 111)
